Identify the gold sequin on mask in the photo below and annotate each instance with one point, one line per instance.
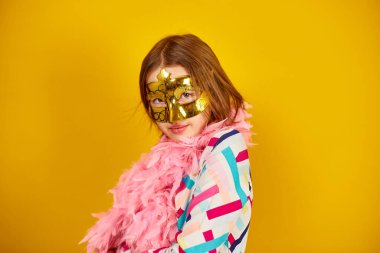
(172, 99)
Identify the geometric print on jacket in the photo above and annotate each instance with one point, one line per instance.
(214, 206)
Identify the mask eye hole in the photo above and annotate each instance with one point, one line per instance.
(188, 97)
(157, 102)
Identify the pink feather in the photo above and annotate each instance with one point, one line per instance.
(143, 214)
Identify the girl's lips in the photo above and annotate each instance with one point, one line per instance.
(178, 129)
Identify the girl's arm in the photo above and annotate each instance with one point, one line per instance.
(220, 203)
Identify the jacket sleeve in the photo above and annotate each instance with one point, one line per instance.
(221, 195)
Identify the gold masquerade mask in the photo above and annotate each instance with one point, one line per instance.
(172, 99)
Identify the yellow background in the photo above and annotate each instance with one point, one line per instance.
(70, 122)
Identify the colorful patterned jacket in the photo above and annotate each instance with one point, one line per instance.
(214, 206)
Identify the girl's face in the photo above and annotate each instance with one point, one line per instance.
(182, 128)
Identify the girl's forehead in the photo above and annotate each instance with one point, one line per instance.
(175, 71)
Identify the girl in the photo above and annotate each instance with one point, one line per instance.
(193, 191)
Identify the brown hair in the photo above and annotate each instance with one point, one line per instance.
(199, 60)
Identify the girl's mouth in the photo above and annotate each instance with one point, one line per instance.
(178, 129)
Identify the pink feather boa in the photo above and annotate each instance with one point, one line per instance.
(143, 214)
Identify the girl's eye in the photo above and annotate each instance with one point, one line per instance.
(187, 97)
(157, 102)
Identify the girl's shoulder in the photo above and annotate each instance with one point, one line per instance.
(226, 138)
